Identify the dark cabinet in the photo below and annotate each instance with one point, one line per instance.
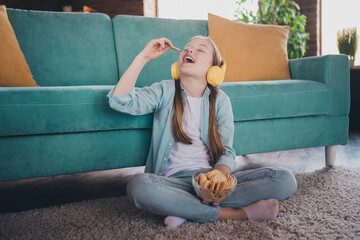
(355, 100)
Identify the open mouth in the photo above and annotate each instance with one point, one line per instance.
(188, 59)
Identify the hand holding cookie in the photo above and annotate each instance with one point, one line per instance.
(155, 48)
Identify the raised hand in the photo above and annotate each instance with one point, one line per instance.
(152, 50)
(155, 48)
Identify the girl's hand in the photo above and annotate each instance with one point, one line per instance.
(152, 50)
(225, 170)
(155, 48)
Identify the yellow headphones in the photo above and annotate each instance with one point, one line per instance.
(215, 76)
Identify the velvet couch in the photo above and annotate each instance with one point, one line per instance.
(66, 125)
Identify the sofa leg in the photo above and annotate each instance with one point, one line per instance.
(330, 155)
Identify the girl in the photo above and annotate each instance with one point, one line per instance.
(193, 128)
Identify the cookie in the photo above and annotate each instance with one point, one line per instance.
(218, 178)
(201, 178)
(213, 185)
(213, 173)
(221, 185)
(207, 184)
(175, 48)
(230, 182)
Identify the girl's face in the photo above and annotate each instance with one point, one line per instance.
(196, 59)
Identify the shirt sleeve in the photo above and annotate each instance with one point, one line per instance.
(225, 119)
(139, 101)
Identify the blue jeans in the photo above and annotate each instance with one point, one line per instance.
(174, 195)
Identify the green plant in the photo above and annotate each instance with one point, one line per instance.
(347, 42)
(279, 12)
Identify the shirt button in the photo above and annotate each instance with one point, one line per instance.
(169, 144)
(160, 174)
(164, 159)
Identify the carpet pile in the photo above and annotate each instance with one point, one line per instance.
(325, 206)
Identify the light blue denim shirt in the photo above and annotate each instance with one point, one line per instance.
(158, 99)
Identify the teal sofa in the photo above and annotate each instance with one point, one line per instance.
(66, 125)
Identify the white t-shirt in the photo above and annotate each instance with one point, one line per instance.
(193, 156)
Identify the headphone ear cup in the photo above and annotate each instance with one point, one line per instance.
(215, 76)
(175, 71)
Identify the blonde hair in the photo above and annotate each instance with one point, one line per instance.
(216, 146)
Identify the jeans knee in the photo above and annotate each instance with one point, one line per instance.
(137, 188)
(288, 180)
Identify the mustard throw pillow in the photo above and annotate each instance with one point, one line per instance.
(252, 52)
(14, 71)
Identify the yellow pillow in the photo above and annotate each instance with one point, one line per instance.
(14, 71)
(252, 52)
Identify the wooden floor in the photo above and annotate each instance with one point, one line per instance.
(43, 192)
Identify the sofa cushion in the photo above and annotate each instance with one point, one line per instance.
(50, 110)
(54, 154)
(66, 49)
(47, 110)
(252, 52)
(278, 99)
(14, 71)
(132, 33)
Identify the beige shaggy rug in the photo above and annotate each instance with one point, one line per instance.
(326, 206)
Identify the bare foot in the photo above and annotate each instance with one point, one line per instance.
(232, 213)
(261, 210)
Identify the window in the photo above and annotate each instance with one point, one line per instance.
(195, 9)
(335, 16)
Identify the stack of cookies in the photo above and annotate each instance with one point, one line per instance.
(215, 180)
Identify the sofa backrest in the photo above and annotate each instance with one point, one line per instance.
(132, 33)
(66, 49)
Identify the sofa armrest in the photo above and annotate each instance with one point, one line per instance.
(332, 70)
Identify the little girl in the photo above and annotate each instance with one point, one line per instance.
(193, 128)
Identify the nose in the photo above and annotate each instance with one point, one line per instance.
(188, 50)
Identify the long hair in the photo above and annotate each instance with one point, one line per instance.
(216, 147)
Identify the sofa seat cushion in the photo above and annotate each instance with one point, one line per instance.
(49, 110)
(277, 99)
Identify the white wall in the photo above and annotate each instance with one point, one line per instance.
(195, 9)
